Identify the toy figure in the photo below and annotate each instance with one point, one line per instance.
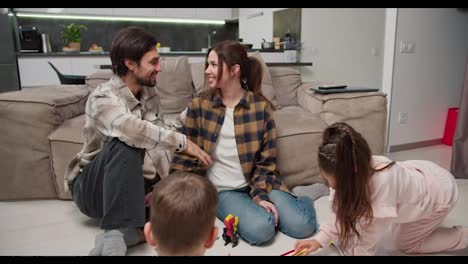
(230, 233)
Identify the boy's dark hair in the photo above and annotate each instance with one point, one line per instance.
(130, 43)
(183, 211)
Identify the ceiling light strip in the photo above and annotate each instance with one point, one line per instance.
(123, 18)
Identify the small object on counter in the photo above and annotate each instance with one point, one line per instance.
(68, 49)
(164, 49)
(277, 42)
(95, 48)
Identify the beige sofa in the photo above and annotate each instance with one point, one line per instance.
(42, 127)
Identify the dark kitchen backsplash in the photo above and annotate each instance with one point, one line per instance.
(180, 37)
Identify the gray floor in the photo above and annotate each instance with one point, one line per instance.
(53, 227)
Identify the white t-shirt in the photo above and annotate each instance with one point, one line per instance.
(226, 171)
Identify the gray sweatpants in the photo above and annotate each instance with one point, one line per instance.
(111, 187)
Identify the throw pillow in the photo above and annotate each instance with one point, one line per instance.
(174, 85)
(267, 83)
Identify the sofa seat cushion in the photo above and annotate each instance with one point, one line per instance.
(294, 120)
(65, 142)
(299, 135)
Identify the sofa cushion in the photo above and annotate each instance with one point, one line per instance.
(365, 112)
(267, 84)
(285, 82)
(299, 135)
(65, 142)
(27, 118)
(198, 76)
(96, 78)
(174, 84)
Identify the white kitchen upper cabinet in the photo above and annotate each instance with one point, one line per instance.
(34, 10)
(135, 12)
(176, 12)
(214, 13)
(255, 24)
(89, 11)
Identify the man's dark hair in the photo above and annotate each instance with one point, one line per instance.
(130, 43)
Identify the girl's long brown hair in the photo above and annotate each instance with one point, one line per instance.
(345, 155)
(232, 53)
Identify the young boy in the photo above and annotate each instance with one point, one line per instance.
(183, 213)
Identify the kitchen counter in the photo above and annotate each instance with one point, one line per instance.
(270, 64)
(106, 53)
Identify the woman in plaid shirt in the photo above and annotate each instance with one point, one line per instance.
(233, 122)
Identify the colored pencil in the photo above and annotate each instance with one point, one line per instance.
(300, 252)
(287, 253)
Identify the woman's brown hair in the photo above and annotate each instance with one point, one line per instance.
(232, 53)
(345, 155)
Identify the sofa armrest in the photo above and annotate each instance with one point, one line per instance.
(305, 96)
(28, 117)
(366, 112)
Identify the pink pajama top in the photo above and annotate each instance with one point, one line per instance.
(405, 192)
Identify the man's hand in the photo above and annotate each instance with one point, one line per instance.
(194, 150)
(310, 246)
(270, 208)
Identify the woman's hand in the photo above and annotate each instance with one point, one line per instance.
(310, 246)
(270, 208)
(194, 150)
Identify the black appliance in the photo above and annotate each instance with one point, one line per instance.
(30, 39)
(9, 76)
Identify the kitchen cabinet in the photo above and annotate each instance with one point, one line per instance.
(255, 24)
(194, 13)
(89, 11)
(35, 71)
(35, 10)
(135, 12)
(176, 12)
(214, 13)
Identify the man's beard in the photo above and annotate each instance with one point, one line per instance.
(146, 82)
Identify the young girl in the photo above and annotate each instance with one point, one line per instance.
(370, 193)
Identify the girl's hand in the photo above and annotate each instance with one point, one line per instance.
(270, 208)
(310, 246)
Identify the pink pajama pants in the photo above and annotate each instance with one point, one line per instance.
(426, 235)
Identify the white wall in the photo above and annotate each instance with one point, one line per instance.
(345, 45)
(253, 29)
(428, 82)
(391, 15)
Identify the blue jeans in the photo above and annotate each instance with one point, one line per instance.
(297, 217)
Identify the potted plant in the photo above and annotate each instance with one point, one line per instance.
(71, 35)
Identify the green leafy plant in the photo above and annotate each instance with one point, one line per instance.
(72, 33)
